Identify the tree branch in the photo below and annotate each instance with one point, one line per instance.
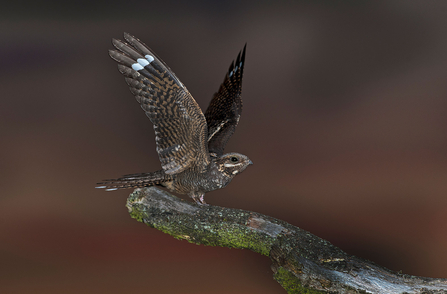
(301, 262)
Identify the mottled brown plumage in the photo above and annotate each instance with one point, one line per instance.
(189, 144)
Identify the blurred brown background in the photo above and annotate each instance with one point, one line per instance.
(344, 119)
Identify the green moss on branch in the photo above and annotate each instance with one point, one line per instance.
(301, 262)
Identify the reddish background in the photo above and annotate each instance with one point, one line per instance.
(344, 119)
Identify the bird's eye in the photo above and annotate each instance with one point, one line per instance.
(234, 159)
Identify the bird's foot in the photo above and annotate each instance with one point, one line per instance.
(199, 199)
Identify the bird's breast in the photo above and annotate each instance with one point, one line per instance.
(188, 181)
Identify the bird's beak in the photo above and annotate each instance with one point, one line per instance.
(250, 162)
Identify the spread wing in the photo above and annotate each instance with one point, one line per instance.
(179, 124)
(225, 108)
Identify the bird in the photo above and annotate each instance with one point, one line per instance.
(189, 143)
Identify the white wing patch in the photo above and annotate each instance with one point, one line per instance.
(141, 62)
(137, 66)
(149, 58)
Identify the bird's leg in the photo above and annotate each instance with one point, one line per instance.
(198, 198)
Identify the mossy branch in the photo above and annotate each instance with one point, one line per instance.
(301, 262)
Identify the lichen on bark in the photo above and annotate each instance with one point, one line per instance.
(301, 261)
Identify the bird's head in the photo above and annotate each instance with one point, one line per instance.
(232, 163)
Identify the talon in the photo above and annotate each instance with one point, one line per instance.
(202, 200)
(199, 199)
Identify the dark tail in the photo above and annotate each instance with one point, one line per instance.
(135, 181)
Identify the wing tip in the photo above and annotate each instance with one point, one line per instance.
(120, 57)
(128, 36)
(243, 53)
(114, 54)
(237, 65)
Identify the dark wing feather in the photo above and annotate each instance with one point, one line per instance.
(179, 124)
(224, 111)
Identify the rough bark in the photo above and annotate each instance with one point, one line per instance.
(301, 262)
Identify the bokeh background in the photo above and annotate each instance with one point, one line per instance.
(344, 118)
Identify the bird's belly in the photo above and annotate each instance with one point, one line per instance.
(215, 181)
(205, 182)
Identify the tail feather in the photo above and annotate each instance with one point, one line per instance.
(134, 181)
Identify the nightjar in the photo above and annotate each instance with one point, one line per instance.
(190, 144)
